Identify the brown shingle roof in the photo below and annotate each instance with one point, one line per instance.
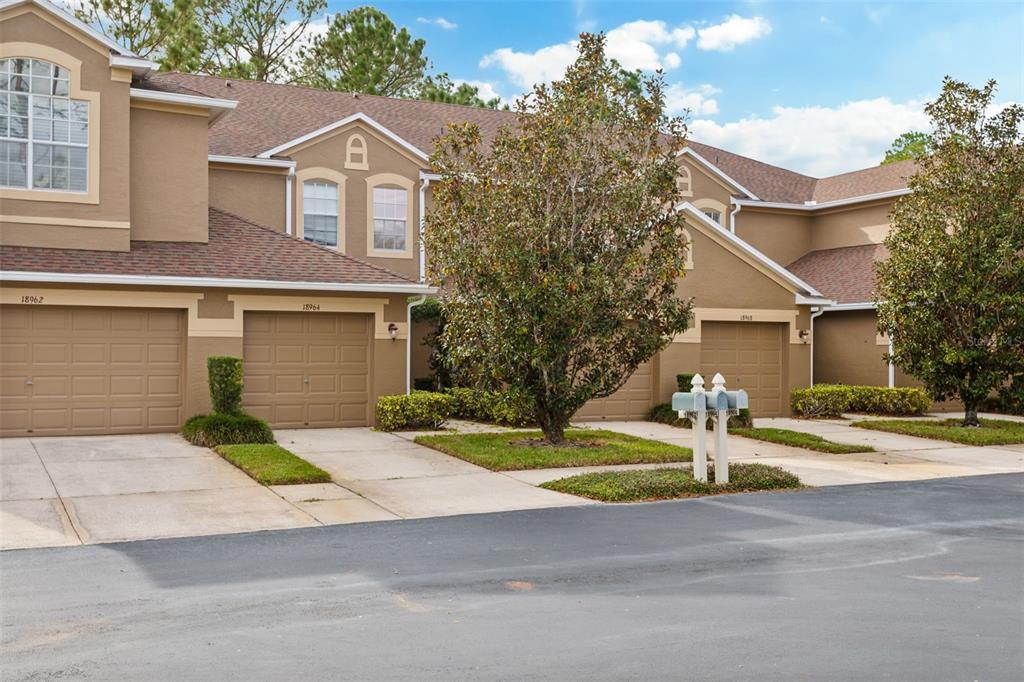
(846, 274)
(237, 249)
(863, 182)
(270, 114)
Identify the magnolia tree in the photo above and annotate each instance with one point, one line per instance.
(554, 243)
(951, 294)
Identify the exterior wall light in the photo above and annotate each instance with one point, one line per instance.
(804, 334)
(393, 331)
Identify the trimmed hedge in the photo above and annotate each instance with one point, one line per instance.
(429, 410)
(832, 400)
(417, 410)
(683, 382)
(225, 374)
(210, 430)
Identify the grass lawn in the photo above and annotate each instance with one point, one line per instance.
(505, 451)
(665, 484)
(799, 439)
(272, 464)
(991, 431)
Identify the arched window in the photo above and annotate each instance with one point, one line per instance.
(684, 182)
(714, 210)
(355, 153)
(684, 235)
(713, 214)
(44, 134)
(320, 212)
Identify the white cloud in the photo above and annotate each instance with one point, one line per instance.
(698, 101)
(644, 45)
(818, 141)
(485, 90)
(735, 30)
(439, 21)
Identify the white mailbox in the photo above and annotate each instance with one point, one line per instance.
(718, 404)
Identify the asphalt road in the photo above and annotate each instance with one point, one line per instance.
(904, 581)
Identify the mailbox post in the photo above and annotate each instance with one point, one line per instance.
(697, 406)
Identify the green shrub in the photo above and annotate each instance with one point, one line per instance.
(683, 382)
(225, 373)
(418, 410)
(664, 414)
(210, 430)
(494, 407)
(832, 400)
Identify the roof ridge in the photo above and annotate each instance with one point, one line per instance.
(327, 249)
(868, 168)
(751, 159)
(354, 95)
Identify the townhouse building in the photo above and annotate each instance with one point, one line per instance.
(150, 220)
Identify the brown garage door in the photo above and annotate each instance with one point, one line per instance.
(749, 356)
(304, 369)
(90, 370)
(631, 402)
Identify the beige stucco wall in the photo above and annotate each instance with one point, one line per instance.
(783, 237)
(833, 229)
(706, 189)
(169, 176)
(420, 353)
(846, 349)
(57, 217)
(258, 195)
(383, 157)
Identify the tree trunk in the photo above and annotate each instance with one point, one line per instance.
(553, 426)
(971, 415)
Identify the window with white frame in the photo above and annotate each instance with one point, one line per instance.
(320, 212)
(389, 218)
(713, 214)
(44, 134)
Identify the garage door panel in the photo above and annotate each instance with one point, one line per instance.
(92, 370)
(631, 402)
(315, 363)
(749, 356)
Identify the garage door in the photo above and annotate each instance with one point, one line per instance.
(80, 370)
(305, 369)
(749, 356)
(631, 402)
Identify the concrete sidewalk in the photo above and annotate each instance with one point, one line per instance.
(898, 457)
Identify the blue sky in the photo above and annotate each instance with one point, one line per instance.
(821, 87)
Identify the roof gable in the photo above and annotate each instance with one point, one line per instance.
(53, 12)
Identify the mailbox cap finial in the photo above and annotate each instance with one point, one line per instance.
(697, 382)
(718, 381)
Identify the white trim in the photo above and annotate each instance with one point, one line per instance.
(892, 368)
(164, 281)
(359, 116)
(839, 307)
(288, 182)
(810, 292)
(220, 106)
(408, 342)
(69, 18)
(688, 151)
(138, 66)
(250, 161)
(825, 204)
(813, 300)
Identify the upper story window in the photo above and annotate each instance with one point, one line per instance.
(713, 214)
(44, 134)
(684, 182)
(390, 210)
(320, 212)
(355, 153)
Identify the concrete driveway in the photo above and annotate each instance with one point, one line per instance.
(83, 490)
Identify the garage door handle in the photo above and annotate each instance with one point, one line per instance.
(28, 382)
(305, 380)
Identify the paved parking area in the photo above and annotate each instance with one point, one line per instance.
(83, 490)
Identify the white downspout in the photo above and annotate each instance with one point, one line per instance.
(408, 342)
(424, 183)
(815, 312)
(732, 218)
(288, 200)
